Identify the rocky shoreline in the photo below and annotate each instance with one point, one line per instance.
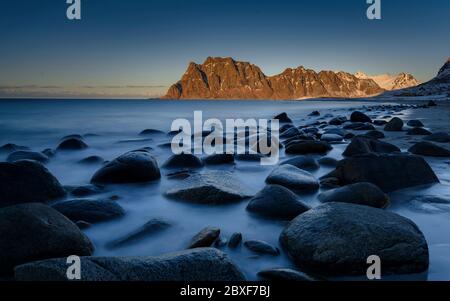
(42, 221)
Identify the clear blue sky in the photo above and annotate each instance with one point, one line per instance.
(149, 43)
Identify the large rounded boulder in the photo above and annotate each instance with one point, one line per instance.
(201, 264)
(133, 167)
(33, 231)
(337, 238)
(27, 181)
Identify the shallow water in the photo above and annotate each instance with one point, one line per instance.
(41, 124)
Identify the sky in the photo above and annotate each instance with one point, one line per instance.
(138, 48)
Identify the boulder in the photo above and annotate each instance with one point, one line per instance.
(388, 172)
(27, 181)
(308, 147)
(349, 234)
(71, 144)
(302, 162)
(205, 238)
(34, 231)
(276, 202)
(358, 116)
(204, 264)
(360, 193)
(441, 137)
(133, 167)
(261, 247)
(429, 149)
(183, 161)
(363, 145)
(293, 178)
(395, 125)
(27, 155)
(210, 188)
(152, 227)
(91, 211)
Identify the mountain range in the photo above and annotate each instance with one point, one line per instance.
(226, 78)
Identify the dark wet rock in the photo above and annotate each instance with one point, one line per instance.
(209, 188)
(72, 144)
(34, 231)
(362, 145)
(331, 138)
(358, 116)
(205, 238)
(217, 159)
(261, 247)
(374, 134)
(302, 162)
(152, 227)
(49, 152)
(91, 211)
(27, 181)
(429, 149)
(418, 132)
(27, 155)
(86, 190)
(388, 172)
(359, 193)
(147, 132)
(328, 161)
(380, 122)
(338, 120)
(308, 147)
(293, 178)
(284, 274)
(276, 202)
(415, 123)
(283, 117)
(10, 147)
(132, 167)
(183, 161)
(235, 240)
(359, 126)
(82, 225)
(92, 160)
(395, 125)
(204, 264)
(439, 137)
(349, 234)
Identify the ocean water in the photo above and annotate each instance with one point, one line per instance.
(115, 125)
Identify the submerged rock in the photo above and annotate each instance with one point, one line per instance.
(349, 234)
(27, 155)
(91, 211)
(388, 172)
(395, 125)
(235, 240)
(360, 117)
(261, 247)
(209, 188)
(438, 137)
(359, 193)
(72, 144)
(152, 227)
(183, 161)
(429, 149)
(284, 274)
(293, 178)
(302, 162)
(205, 238)
(308, 147)
(33, 231)
(362, 145)
(133, 167)
(206, 264)
(277, 202)
(27, 181)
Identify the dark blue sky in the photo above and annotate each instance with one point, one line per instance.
(148, 43)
